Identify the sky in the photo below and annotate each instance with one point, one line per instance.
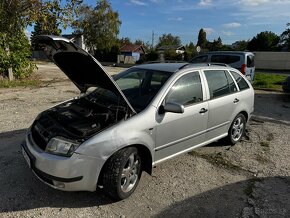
(230, 20)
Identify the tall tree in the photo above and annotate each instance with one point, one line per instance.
(168, 39)
(202, 41)
(285, 38)
(15, 16)
(264, 41)
(100, 26)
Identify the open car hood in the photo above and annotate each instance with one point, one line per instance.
(80, 67)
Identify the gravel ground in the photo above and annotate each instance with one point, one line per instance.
(250, 179)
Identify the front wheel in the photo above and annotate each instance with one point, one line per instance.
(122, 173)
(237, 129)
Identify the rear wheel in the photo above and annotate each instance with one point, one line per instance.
(237, 129)
(122, 173)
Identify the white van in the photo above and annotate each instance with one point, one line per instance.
(243, 61)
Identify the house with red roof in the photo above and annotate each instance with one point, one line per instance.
(132, 53)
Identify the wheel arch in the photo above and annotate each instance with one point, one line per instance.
(145, 155)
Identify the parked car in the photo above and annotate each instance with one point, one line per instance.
(286, 85)
(146, 115)
(242, 61)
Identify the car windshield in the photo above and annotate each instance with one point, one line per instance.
(141, 85)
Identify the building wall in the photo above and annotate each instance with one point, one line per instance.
(272, 60)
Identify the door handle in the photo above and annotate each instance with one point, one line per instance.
(236, 100)
(203, 110)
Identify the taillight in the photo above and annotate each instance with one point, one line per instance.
(243, 69)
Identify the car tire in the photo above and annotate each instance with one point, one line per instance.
(122, 173)
(237, 129)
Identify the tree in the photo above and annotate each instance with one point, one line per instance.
(100, 26)
(216, 45)
(124, 41)
(264, 41)
(240, 45)
(285, 38)
(14, 17)
(202, 41)
(168, 39)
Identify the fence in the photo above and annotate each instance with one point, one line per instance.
(272, 60)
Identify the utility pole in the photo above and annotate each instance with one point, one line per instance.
(152, 45)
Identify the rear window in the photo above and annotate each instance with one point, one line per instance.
(250, 61)
(240, 81)
(218, 83)
(226, 59)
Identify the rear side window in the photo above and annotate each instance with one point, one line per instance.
(218, 83)
(226, 59)
(186, 90)
(240, 81)
(250, 61)
(199, 59)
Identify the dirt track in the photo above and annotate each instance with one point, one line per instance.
(250, 179)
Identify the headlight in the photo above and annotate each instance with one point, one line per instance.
(61, 146)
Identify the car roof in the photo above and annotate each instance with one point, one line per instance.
(227, 52)
(168, 67)
(173, 67)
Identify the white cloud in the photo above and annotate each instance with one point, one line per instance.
(175, 19)
(228, 33)
(231, 25)
(137, 2)
(209, 30)
(205, 3)
(253, 2)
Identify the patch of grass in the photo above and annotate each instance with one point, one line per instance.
(250, 187)
(217, 159)
(264, 144)
(5, 83)
(269, 81)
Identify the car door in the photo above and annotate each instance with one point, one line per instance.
(178, 132)
(223, 102)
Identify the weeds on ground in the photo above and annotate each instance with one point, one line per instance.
(269, 81)
(5, 83)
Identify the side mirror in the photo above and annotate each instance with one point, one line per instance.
(173, 107)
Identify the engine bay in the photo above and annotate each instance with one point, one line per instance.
(77, 119)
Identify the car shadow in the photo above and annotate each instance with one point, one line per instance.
(273, 105)
(22, 190)
(256, 197)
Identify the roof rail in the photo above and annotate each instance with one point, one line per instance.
(156, 62)
(217, 64)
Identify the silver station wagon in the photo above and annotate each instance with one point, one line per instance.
(121, 126)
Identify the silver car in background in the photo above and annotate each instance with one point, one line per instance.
(123, 126)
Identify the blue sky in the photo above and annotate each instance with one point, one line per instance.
(231, 20)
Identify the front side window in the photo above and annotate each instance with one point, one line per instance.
(186, 90)
(141, 85)
(240, 81)
(218, 83)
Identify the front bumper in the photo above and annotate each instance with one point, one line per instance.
(75, 173)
